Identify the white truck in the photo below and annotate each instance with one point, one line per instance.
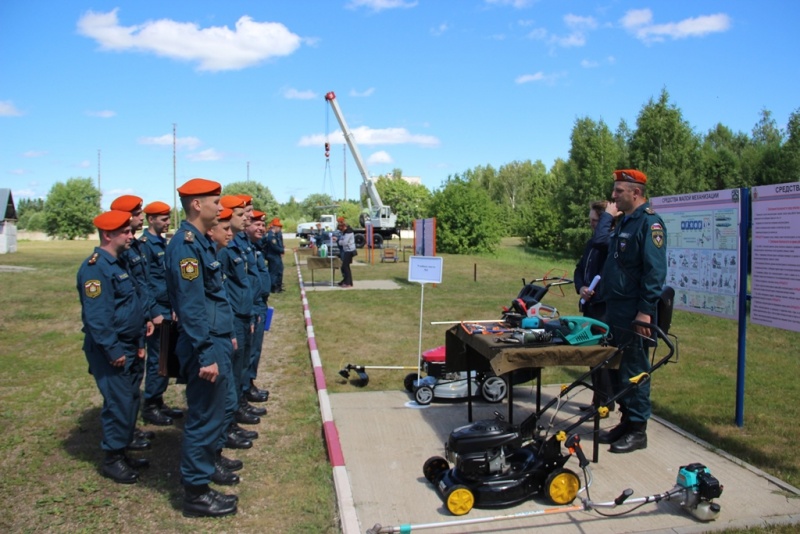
(379, 216)
(307, 229)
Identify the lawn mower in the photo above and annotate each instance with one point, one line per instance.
(498, 464)
(440, 384)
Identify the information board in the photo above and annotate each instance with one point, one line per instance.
(703, 250)
(775, 286)
(425, 269)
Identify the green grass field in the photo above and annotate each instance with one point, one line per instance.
(50, 405)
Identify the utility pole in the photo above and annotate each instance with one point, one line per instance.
(344, 162)
(98, 179)
(174, 178)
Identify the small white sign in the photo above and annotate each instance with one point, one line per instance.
(425, 269)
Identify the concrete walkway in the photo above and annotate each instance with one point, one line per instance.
(386, 437)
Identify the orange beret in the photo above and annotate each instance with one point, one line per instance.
(157, 208)
(112, 220)
(199, 187)
(231, 201)
(276, 222)
(225, 214)
(247, 199)
(340, 219)
(258, 215)
(630, 175)
(127, 203)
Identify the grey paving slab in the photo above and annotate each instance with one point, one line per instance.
(386, 438)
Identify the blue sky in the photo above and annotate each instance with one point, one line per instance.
(433, 87)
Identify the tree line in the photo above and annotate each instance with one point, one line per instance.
(547, 208)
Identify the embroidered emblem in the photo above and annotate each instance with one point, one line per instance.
(93, 259)
(92, 288)
(656, 226)
(650, 211)
(622, 245)
(189, 268)
(188, 237)
(143, 239)
(658, 238)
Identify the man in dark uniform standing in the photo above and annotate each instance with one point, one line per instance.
(153, 247)
(137, 265)
(273, 251)
(633, 276)
(114, 329)
(255, 233)
(206, 341)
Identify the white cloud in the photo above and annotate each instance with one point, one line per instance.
(580, 23)
(85, 164)
(440, 29)
(294, 94)
(578, 26)
(8, 109)
(639, 22)
(368, 136)
(25, 193)
(205, 155)
(380, 157)
(189, 143)
(34, 153)
(105, 114)
(380, 5)
(17, 172)
(216, 48)
(538, 77)
(516, 4)
(365, 93)
(588, 64)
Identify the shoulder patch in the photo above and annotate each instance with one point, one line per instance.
(656, 226)
(188, 237)
(189, 268)
(650, 211)
(93, 259)
(658, 238)
(92, 288)
(143, 239)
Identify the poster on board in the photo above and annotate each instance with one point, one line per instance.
(703, 250)
(775, 286)
(425, 269)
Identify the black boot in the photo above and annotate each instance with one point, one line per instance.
(138, 433)
(253, 410)
(610, 436)
(115, 468)
(242, 433)
(234, 441)
(633, 440)
(245, 418)
(228, 463)
(151, 413)
(222, 476)
(168, 411)
(137, 463)
(202, 501)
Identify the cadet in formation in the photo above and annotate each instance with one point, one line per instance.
(206, 341)
(114, 328)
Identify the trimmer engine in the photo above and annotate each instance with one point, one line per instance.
(700, 489)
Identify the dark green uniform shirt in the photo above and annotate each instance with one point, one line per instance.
(636, 268)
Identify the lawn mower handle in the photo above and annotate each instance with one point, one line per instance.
(660, 334)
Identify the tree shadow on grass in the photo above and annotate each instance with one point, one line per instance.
(163, 475)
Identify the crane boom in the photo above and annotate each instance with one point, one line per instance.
(374, 199)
